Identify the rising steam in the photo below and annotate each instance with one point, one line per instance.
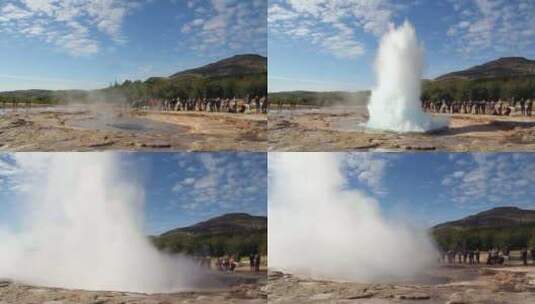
(319, 228)
(82, 229)
(395, 101)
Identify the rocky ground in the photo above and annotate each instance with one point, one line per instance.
(340, 129)
(449, 284)
(84, 129)
(240, 291)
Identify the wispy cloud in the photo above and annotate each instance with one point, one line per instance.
(177, 186)
(492, 25)
(331, 25)
(339, 27)
(17, 170)
(369, 169)
(70, 25)
(219, 25)
(221, 181)
(490, 179)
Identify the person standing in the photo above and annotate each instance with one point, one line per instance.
(252, 262)
(470, 256)
(524, 254)
(257, 104)
(257, 262)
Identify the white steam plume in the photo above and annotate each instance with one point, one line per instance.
(395, 102)
(82, 229)
(319, 228)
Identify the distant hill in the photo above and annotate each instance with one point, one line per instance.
(493, 218)
(237, 76)
(498, 227)
(234, 233)
(228, 223)
(505, 78)
(503, 67)
(43, 96)
(238, 65)
(320, 98)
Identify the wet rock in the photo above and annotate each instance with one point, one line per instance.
(520, 287)
(366, 301)
(420, 148)
(413, 296)
(366, 146)
(38, 290)
(19, 123)
(156, 145)
(283, 125)
(487, 271)
(363, 295)
(510, 281)
(457, 298)
(101, 144)
(275, 274)
(321, 296)
(148, 301)
(202, 298)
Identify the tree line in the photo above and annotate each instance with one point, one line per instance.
(184, 87)
(238, 244)
(43, 97)
(504, 88)
(320, 99)
(486, 238)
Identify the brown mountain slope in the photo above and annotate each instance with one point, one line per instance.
(503, 67)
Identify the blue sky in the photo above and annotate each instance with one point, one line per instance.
(331, 45)
(180, 188)
(185, 188)
(430, 188)
(66, 44)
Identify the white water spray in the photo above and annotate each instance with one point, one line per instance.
(395, 102)
(318, 228)
(82, 229)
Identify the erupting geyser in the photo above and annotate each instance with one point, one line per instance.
(82, 229)
(319, 228)
(395, 101)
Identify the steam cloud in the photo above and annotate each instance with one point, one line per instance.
(395, 102)
(82, 229)
(319, 228)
